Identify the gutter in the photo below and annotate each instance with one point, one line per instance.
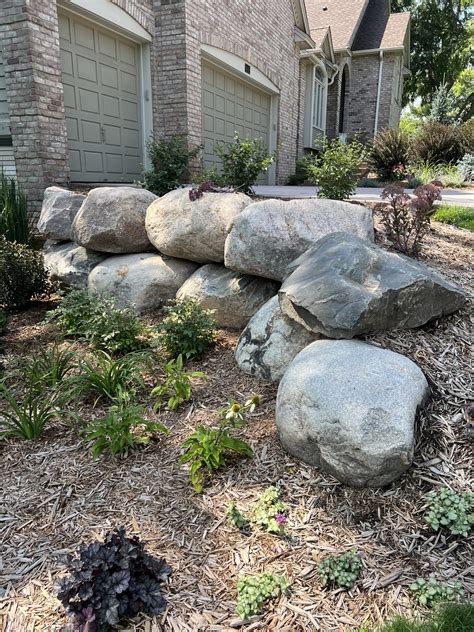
(379, 90)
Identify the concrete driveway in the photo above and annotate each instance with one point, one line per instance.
(461, 197)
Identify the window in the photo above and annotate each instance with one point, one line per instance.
(319, 101)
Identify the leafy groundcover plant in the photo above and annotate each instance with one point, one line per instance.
(187, 330)
(340, 570)
(207, 448)
(95, 318)
(451, 511)
(112, 581)
(176, 386)
(253, 592)
(270, 512)
(429, 592)
(122, 428)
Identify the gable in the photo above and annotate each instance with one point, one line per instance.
(342, 16)
(301, 16)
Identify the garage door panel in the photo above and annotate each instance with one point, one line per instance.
(101, 74)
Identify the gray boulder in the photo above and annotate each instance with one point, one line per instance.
(59, 209)
(270, 342)
(233, 297)
(269, 235)
(344, 287)
(70, 264)
(112, 219)
(197, 230)
(349, 408)
(145, 281)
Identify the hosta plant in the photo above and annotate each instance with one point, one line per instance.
(237, 518)
(255, 591)
(187, 330)
(122, 428)
(429, 592)
(26, 418)
(207, 448)
(176, 388)
(270, 512)
(111, 581)
(451, 511)
(340, 570)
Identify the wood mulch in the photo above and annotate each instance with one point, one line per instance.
(54, 496)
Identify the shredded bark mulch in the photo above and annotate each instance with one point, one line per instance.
(54, 496)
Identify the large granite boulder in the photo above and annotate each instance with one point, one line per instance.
(193, 230)
(112, 219)
(349, 408)
(59, 209)
(146, 281)
(270, 342)
(70, 264)
(344, 287)
(269, 235)
(233, 297)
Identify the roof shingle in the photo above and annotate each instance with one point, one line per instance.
(343, 16)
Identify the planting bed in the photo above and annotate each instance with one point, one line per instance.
(54, 496)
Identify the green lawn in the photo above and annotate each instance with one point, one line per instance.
(459, 216)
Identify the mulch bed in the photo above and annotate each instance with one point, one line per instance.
(54, 496)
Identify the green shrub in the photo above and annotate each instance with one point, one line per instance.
(388, 151)
(460, 216)
(3, 321)
(121, 429)
(451, 511)
(270, 512)
(96, 319)
(254, 591)
(448, 617)
(466, 167)
(242, 162)
(187, 330)
(206, 449)
(14, 222)
(27, 418)
(22, 275)
(465, 135)
(340, 570)
(301, 173)
(335, 171)
(176, 386)
(109, 378)
(430, 592)
(436, 143)
(170, 164)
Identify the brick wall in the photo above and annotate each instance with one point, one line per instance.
(30, 48)
(363, 95)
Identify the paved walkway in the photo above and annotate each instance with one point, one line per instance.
(462, 197)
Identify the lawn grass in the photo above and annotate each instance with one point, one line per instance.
(460, 216)
(451, 617)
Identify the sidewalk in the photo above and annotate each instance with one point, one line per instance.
(461, 197)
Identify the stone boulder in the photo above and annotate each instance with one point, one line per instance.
(145, 281)
(344, 287)
(270, 342)
(233, 297)
(197, 230)
(70, 264)
(349, 408)
(59, 209)
(112, 219)
(269, 235)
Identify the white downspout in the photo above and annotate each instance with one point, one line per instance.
(379, 90)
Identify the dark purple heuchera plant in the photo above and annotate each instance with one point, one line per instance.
(110, 581)
(406, 219)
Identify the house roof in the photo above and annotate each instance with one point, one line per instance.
(343, 16)
(381, 30)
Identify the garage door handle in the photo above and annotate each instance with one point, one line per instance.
(102, 133)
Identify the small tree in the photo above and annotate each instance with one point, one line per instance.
(443, 106)
(335, 171)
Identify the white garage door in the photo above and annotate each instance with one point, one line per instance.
(101, 77)
(230, 105)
